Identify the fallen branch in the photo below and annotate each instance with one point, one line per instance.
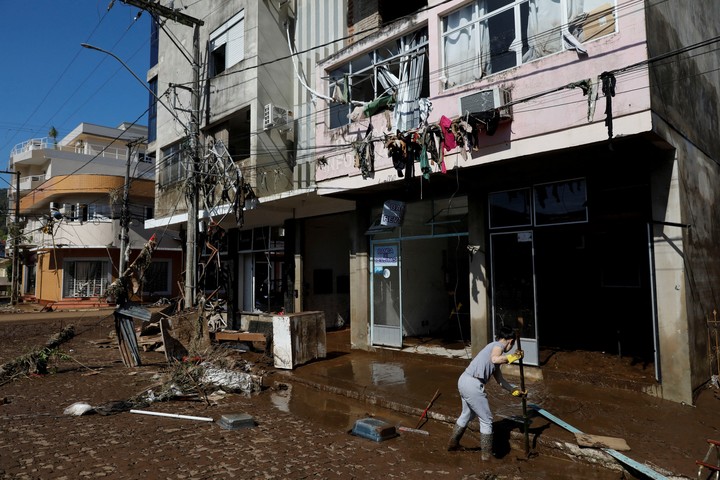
(35, 361)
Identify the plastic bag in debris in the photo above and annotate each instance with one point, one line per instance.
(79, 408)
(229, 380)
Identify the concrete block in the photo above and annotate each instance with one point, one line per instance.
(298, 338)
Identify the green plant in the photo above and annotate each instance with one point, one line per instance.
(53, 134)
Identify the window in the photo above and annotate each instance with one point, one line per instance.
(510, 208)
(489, 36)
(561, 202)
(156, 280)
(152, 110)
(99, 211)
(396, 71)
(227, 44)
(154, 42)
(85, 278)
(171, 166)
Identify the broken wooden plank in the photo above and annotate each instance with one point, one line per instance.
(599, 441)
(234, 336)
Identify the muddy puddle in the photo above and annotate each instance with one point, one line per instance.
(339, 413)
(331, 411)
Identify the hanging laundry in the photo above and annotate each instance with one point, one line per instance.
(424, 163)
(364, 151)
(458, 128)
(488, 120)
(378, 105)
(397, 149)
(414, 148)
(425, 107)
(608, 89)
(432, 140)
(448, 137)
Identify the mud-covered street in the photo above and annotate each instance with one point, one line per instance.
(299, 432)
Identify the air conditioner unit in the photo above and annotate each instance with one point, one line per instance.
(485, 100)
(276, 117)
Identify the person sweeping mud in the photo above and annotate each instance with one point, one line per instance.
(471, 386)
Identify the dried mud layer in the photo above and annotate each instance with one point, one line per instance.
(37, 441)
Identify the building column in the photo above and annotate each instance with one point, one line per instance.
(480, 320)
(360, 280)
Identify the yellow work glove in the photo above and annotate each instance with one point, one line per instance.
(519, 393)
(514, 357)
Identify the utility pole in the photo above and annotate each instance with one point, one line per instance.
(124, 220)
(193, 158)
(192, 223)
(15, 293)
(15, 281)
(125, 210)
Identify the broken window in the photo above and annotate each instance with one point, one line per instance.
(227, 44)
(489, 36)
(394, 74)
(171, 166)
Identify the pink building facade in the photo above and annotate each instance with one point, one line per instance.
(510, 166)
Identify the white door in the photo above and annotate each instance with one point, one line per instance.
(385, 284)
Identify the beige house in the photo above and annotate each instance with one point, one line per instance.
(71, 197)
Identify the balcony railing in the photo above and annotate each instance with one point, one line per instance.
(31, 181)
(81, 147)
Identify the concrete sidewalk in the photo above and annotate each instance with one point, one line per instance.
(665, 437)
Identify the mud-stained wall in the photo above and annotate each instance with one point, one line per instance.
(326, 275)
(264, 76)
(692, 252)
(685, 97)
(684, 87)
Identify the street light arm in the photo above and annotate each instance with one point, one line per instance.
(93, 47)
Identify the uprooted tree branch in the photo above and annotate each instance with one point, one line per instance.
(35, 361)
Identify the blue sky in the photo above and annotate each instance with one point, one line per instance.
(49, 80)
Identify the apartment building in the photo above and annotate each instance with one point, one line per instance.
(547, 165)
(72, 193)
(253, 168)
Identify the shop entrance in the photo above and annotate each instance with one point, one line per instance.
(513, 281)
(419, 277)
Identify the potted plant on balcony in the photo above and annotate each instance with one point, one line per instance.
(53, 134)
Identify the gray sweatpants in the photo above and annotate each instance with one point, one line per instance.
(474, 403)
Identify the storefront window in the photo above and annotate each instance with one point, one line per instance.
(510, 208)
(560, 202)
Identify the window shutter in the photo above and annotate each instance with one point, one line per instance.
(235, 49)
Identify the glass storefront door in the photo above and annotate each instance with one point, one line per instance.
(513, 284)
(386, 285)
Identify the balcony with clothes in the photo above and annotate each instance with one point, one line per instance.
(500, 76)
